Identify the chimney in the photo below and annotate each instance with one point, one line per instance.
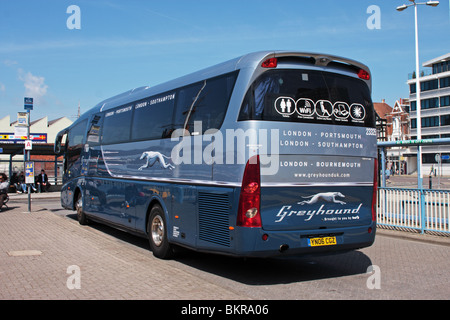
(383, 101)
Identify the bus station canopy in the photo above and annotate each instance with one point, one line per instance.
(41, 149)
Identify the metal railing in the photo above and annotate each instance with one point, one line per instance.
(417, 209)
(425, 210)
(423, 73)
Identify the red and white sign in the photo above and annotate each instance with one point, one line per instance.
(28, 145)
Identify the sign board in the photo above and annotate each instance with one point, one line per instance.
(11, 138)
(446, 157)
(22, 119)
(28, 145)
(422, 141)
(28, 104)
(20, 131)
(29, 172)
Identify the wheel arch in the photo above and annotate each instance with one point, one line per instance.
(76, 193)
(154, 202)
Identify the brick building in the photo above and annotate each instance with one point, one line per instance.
(397, 127)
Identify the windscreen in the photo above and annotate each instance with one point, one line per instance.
(309, 96)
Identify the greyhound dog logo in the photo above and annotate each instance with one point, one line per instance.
(327, 197)
(152, 158)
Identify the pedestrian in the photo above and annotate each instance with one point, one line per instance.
(4, 185)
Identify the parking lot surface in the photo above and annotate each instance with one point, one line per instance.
(46, 254)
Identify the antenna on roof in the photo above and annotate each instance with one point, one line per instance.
(78, 113)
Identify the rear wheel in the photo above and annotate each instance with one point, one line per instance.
(157, 234)
(82, 219)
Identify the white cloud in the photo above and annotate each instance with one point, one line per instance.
(9, 63)
(35, 86)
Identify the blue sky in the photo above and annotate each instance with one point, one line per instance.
(126, 44)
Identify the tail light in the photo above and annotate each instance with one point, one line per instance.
(270, 63)
(363, 74)
(375, 191)
(250, 199)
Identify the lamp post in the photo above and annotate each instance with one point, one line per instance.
(418, 89)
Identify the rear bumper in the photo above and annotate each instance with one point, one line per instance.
(250, 242)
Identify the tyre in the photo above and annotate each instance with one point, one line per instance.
(81, 216)
(157, 234)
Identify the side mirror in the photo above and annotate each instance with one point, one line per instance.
(60, 140)
(57, 148)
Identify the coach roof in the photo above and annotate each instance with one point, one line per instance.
(251, 60)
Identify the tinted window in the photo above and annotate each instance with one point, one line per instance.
(75, 146)
(445, 101)
(445, 82)
(93, 136)
(76, 135)
(445, 120)
(117, 124)
(429, 85)
(153, 117)
(206, 101)
(309, 96)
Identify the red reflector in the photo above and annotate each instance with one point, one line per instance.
(270, 63)
(363, 74)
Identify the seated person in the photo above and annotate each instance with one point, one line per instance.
(14, 182)
(42, 182)
(21, 183)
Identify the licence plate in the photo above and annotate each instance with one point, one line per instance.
(323, 241)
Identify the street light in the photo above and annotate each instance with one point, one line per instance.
(428, 3)
(418, 102)
(432, 3)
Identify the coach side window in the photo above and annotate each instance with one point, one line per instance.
(190, 101)
(93, 136)
(205, 102)
(153, 117)
(116, 125)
